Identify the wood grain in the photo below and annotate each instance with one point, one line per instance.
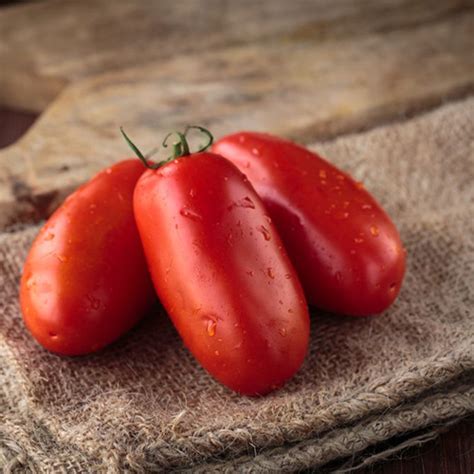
(305, 90)
(46, 45)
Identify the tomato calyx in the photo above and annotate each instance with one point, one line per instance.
(180, 146)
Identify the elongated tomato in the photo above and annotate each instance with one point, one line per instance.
(85, 281)
(346, 249)
(221, 272)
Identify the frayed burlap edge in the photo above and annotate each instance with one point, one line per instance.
(453, 400)
(341, 443)
(413, 439)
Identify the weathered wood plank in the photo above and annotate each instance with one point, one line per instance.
(316, 89)
(45, 45)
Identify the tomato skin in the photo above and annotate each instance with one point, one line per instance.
(85, 281)
(346, 250)
(221, 272)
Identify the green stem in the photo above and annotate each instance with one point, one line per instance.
(203, 130)
(180, 147)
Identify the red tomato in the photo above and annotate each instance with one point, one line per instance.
(346, 249)
(85, 281)
(221, 272)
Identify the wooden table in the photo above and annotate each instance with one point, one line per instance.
(89, 67)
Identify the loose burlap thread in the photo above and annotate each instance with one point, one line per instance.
(145, 404)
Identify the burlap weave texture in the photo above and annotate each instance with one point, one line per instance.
(144, 403)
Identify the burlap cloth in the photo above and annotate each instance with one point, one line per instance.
(144, 404)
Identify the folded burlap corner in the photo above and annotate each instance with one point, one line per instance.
(144, 404)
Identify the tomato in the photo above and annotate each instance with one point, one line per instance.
(221, 272)
(346, 250)
(85, 281)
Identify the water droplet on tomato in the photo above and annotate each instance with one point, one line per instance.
(392, 288)
(52, 335)
(211, 327)
(190, 214)
(216, 352)
(49, 236)
(345, 204)
(374, 230)
(108, 170)
(359, 184)
(238, 346)
(61, 258)
(242, 138)
(323, 174)
(250, 272)
(340, 177)
(288, 276)
(338, 276)
(366, 207)
(246, 202)
(247, 164)
(282, 332)
(358, 240)
(264, 231)
(192, 192)
(30, 282)
(270, 273)
(255, 151)
(268, 219)
(341, 215)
